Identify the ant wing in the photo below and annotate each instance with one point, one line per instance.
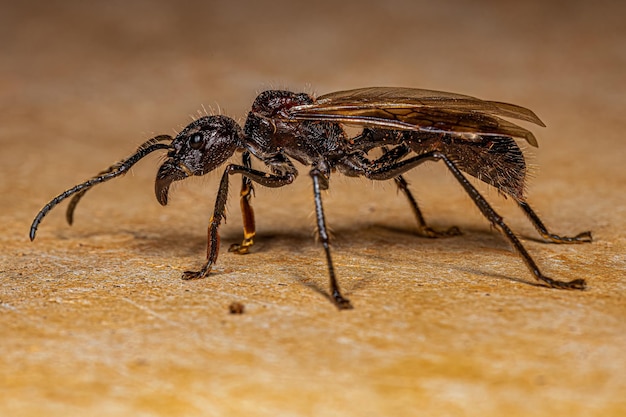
(415, 97)
(419, 110)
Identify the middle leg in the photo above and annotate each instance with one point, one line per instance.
(320, 181)
(397, 153)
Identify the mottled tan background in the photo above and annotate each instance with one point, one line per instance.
(94, 319)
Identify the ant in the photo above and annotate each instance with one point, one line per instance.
(409, 127)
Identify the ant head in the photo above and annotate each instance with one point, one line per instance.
(198, 149)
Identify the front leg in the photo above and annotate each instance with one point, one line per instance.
(263, 178)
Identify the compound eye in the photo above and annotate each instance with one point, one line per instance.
(196, 141)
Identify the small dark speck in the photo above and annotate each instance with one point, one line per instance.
(236, 308)
(540, 380)
(141, 362)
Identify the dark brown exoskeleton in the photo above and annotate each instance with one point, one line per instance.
(410, 126)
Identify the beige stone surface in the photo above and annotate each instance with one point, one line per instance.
(94, 319)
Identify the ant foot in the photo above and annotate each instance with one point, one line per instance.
(239, 249)
(584, 237)
(341, 302)
(189, 275)
(434, 234)
(577, 284)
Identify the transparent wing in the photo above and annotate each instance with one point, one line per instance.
(416, 109)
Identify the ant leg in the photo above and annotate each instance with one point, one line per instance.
(422, 228)
(263, 178)
(482, 204)
(249, 229)
(320, 181)
(584, 237)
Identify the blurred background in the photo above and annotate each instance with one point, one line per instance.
(145, 60)
(80, 77)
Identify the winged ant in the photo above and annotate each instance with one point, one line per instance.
(409, 126)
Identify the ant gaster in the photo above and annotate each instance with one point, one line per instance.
(409, 127)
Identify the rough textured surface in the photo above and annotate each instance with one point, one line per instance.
(94, 319)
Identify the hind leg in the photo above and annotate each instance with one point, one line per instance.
(584, 237)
